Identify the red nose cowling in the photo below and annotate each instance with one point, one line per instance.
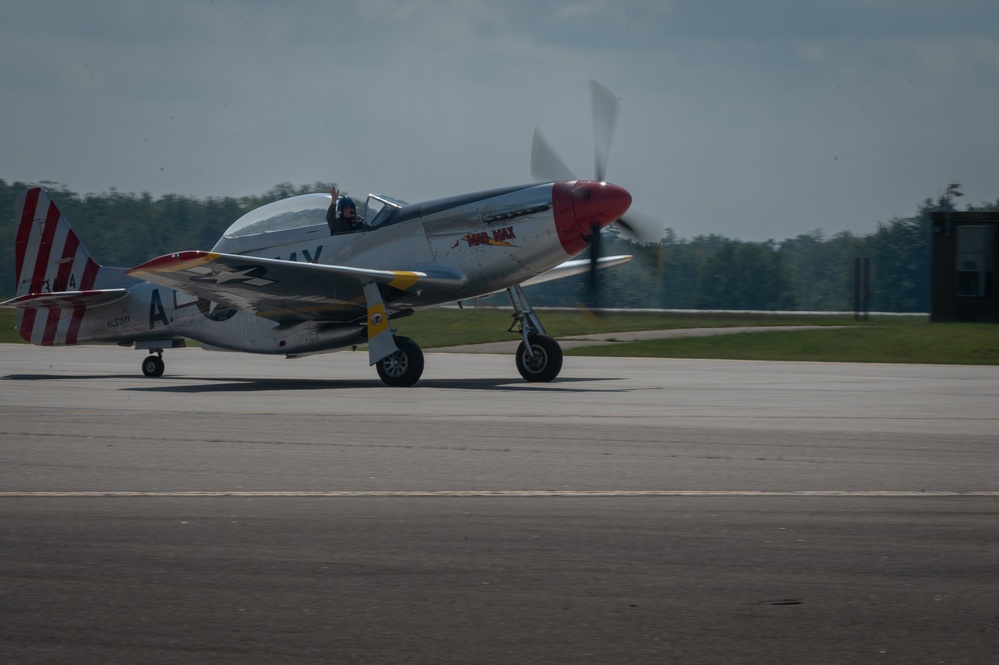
(580, 205)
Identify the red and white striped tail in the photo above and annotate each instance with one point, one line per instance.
(49, 259)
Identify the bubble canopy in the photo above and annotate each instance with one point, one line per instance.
(308, 210)
(294, 213)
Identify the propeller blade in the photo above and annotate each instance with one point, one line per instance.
(642, 228)
(604, 107)
(594, 259)
(545, 164)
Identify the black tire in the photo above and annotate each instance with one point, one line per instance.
(404, 367)
(153, 366)
(544, 364)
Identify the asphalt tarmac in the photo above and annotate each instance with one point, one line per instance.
(248, 509)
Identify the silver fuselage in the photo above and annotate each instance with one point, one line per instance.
(490, 240)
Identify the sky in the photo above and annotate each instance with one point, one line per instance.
(755, 120)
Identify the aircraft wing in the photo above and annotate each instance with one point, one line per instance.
(282, 290)
(576, 267)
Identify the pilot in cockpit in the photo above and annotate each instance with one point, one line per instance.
(341, 216)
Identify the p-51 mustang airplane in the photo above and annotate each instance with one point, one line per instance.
(278, 282)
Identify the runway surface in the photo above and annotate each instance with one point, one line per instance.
(247, 509)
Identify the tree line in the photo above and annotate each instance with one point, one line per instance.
(809, 272)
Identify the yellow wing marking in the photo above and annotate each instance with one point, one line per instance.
(403, 280)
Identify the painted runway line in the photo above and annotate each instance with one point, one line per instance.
(506, 493)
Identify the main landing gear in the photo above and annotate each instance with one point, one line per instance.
(404, 367)
(539, 357)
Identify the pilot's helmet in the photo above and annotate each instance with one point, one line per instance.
(345, 202)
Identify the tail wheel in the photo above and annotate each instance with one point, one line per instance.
(404, 367)
(153, 366)
(544, 360)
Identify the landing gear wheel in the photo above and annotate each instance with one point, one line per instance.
(404, 367)
(543, 362)
(153, 366)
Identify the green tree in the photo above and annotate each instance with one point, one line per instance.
(748, 276)
(900, 254)
(810, 270)
(822, 269)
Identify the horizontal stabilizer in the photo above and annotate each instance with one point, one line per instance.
(67, 299)
(576, 267)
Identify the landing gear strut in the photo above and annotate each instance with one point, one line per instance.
(539, 357)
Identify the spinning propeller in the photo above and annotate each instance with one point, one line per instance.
(547, 166)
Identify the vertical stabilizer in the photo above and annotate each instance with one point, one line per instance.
(49, 259)
(48, 253)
